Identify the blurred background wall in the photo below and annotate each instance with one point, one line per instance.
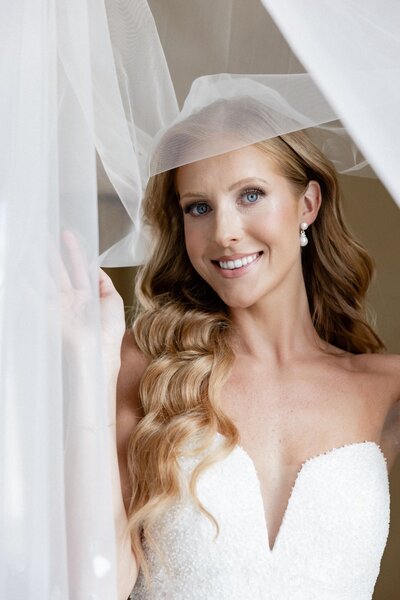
(375, 219)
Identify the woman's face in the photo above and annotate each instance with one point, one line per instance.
(241, 221)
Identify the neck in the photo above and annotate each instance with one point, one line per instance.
(279, 326)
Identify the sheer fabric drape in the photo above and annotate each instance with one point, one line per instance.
(61, 102)
(86, 80)
(56, 534)
(352, 49)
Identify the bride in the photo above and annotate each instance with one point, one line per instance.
(256, 416)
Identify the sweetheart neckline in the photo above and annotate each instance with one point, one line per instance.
(302, 467)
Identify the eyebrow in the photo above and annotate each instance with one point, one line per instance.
(230, 188)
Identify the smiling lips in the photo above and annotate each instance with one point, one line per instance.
(236, 263)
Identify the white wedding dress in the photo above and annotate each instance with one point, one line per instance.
(329, 545)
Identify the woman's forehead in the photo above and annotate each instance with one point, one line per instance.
(243, 163)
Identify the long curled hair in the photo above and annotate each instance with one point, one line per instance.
(184, 329)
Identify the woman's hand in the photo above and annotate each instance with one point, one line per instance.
(78, 304)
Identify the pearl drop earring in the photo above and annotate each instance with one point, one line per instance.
(303, 237)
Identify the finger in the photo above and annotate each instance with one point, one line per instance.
(78, 265)
(106, 285)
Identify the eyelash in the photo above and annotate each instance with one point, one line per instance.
(189, 208)
(252, 191)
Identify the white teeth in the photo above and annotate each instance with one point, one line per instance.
(239, 262)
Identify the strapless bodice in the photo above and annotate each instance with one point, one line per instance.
(329, 545)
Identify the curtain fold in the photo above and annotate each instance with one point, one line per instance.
(352, 50)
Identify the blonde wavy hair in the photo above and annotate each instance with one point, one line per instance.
(184, 329)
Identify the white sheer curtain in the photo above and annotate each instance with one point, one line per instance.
(80, 77)
(61, 101)
(56, 535)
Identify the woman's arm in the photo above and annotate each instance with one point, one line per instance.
(112, 332)
(81, 348)
(123, 394)
(129, 413)
(127, 569)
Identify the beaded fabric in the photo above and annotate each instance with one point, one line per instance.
(329, 546)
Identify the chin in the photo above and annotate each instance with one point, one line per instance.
(239, 306)
(238, 302)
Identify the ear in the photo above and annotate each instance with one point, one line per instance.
(310, 203)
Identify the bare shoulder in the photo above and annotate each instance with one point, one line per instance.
(384, 366)
(383, 370)
(377, 369)
(388, 363)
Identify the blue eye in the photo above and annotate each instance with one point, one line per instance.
(251, 196)
(197, 209)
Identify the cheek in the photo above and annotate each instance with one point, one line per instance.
(274, 232)
(275, 221)
(195, 243)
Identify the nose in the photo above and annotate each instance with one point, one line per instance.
(227, 226)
